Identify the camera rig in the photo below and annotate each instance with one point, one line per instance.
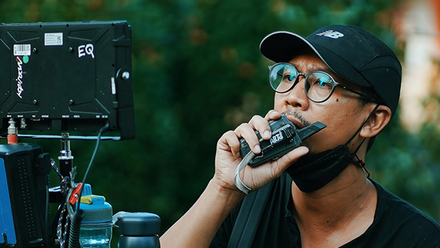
(57, 77)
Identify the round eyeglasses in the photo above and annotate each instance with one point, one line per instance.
(319, 85)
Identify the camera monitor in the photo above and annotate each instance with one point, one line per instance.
(67, 77)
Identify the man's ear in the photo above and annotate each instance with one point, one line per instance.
(377, 121)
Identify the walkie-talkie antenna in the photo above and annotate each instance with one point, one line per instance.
(308, 131)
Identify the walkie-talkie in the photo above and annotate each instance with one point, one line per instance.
(285, 137)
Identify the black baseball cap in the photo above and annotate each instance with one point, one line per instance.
(349, 51)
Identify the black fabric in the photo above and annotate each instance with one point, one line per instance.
(396, 223)
(244, 227)
(313, 171)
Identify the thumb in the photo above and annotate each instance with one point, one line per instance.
(285, 161)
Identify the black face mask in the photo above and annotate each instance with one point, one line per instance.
(313, 171)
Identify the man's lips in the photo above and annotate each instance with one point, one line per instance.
(298, 124)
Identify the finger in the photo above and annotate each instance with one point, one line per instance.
(262, 126)
(289, 159)
(247, 132)
(272, 115)
(229, 142)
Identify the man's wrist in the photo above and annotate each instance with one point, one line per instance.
(228, 192)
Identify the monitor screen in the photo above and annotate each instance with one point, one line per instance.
(67, 77)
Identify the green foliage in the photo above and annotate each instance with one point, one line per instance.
(197, 72)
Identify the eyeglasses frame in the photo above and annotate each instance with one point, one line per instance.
(306, 78)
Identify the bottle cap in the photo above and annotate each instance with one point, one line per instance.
(96, 209)
(139, 224)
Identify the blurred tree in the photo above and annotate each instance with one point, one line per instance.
(197, 72)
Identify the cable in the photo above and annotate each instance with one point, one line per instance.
(79, 214)
(98, 141)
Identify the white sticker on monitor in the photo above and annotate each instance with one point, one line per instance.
(113, 85)
(53, 39)
(22, 49)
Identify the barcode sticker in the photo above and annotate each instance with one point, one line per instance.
(53, 39)
(22, 49)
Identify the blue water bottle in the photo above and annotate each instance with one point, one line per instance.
(96, 227)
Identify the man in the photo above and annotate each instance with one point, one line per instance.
(319, 194)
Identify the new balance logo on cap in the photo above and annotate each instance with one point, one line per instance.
(332, 34)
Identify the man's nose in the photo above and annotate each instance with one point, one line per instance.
(297, 97)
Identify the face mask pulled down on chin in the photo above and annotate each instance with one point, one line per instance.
(313, 171)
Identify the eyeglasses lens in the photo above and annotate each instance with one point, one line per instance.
(318, 86)
(282, 77)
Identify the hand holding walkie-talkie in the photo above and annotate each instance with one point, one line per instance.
(285, 137)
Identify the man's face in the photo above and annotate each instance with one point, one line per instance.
(342, 112)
